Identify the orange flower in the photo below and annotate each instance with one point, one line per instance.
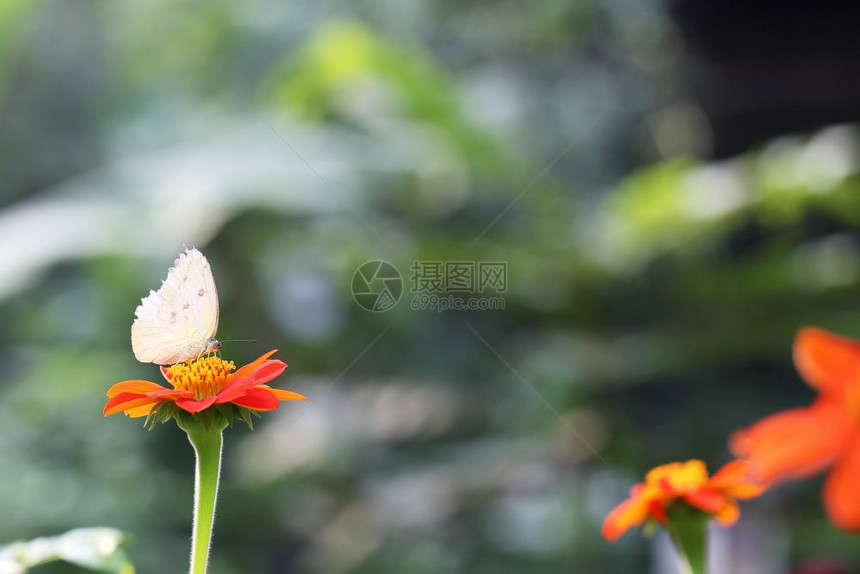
(199, 384)
(803, 441)
(687, 482)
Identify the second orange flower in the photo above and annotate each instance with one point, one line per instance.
(800, 442)
(683, 483)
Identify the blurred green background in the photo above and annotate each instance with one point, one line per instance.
(673, 201)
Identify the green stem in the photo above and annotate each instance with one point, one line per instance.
(207, 446)
(688, 529)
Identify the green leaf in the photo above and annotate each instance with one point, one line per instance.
(97, 549)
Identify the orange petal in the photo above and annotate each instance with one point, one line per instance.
(657, 510)
(794, 443)
(264, 372)
(235, 389)
(734, 481)
(841, 495)
(283, 395)
(125, 402)
(141, 411)
(709, 501)
(826, 361)
(133, 386)
(246, 370)
(171, 394)
(193, 406)
(632, 512)
(729, 513)
(267, 371)
(239, 386)
(258, 399)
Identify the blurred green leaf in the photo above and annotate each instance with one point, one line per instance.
(12, 15)
(97, 549)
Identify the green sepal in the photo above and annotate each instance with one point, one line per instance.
(216, 417)
(226, 411)
(160, 414)
(207, 420)
(245, 414)
(650, 528)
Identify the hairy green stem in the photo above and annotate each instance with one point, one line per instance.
(207, 446)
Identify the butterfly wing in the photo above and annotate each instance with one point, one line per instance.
(175, 323)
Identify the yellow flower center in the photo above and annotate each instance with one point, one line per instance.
(204, 377)
(681, 477)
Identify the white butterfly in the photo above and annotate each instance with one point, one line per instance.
(178, 322)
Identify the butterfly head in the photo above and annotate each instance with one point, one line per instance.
(213, 345)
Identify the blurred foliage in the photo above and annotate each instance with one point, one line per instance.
(346, 73)
(95, 549)
(12, 13)
(651, 304)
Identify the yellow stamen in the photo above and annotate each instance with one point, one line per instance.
(680, 476)
(204, 377)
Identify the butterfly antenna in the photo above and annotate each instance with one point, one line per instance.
(238, 340)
